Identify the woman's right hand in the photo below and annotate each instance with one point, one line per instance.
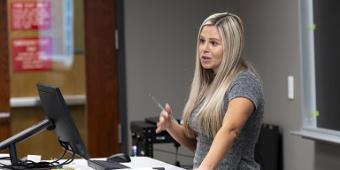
(165, 119)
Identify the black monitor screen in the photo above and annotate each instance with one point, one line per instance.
(57, 111)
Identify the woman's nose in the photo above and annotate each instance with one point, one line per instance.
(205, 47)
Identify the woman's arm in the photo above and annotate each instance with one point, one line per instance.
(177, 131)
(239, 110)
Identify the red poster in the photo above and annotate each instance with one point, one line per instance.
(30, 15)
(29, 54)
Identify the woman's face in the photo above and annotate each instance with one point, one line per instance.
(210, 48)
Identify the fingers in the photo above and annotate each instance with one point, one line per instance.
(161, 125)
(163, 121)
(164, 114)
(158, 129)
(168, 108)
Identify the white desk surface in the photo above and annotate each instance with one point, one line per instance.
(138, 163)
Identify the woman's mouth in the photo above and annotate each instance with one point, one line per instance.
(205, 59)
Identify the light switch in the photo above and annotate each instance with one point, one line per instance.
(291, 87)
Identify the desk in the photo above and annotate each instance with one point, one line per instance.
(139, 162)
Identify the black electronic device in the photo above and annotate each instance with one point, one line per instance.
(153, 120)
(105, 165)
(60, 121)
(144, 136)
(148, 132)
(119, 157)
(25, 134)
(57, 119)
(56, 110)
(268, 149)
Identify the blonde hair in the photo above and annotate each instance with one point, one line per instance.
(208, 89)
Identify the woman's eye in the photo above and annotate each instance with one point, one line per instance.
(213, 43)
(202, 41)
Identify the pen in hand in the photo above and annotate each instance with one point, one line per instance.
(156, 102)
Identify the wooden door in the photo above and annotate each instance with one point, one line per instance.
(4, 73)
(101, 77)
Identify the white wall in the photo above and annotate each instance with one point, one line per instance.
(160, 38)
(160, 45)
(272, 32)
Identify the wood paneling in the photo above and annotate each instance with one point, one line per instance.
(4, 73)
(101, 77)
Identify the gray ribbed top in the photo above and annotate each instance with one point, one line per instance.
(241, 154)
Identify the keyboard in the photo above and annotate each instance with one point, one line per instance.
(105, 165)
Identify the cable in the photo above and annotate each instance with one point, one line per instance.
(61, 157)
(28, 164)
(69, 160)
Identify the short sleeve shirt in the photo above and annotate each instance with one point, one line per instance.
(241, 154)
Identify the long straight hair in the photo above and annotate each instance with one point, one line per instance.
(208, 89)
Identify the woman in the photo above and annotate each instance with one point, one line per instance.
(223, 114)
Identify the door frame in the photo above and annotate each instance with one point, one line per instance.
(105, 77)
(4, 73)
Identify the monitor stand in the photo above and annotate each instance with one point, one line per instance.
(35, 129)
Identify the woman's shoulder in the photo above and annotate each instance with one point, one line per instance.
(247, 84)
(247, 76)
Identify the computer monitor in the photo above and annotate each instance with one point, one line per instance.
(58, 118)
(56, 111)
